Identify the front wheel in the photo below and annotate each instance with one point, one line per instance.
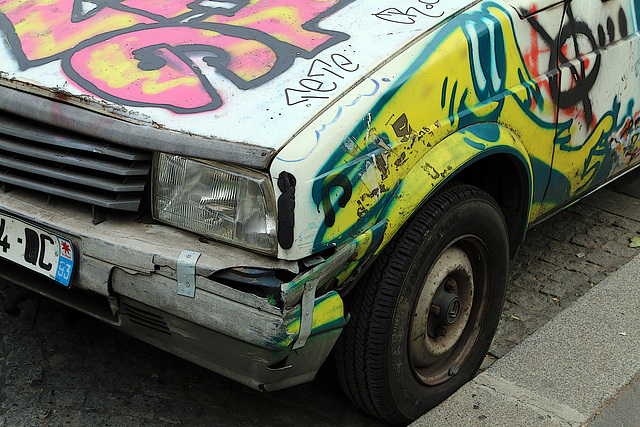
(424, 315)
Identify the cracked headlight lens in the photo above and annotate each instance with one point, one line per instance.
(223, 202)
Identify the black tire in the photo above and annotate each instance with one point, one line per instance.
(459, 234)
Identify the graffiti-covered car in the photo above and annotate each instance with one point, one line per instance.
(253, 184)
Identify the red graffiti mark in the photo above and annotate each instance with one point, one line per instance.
(535, 57)
(532, 56)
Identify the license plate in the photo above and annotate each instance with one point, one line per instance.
(36, 249)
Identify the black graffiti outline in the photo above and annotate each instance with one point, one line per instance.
(402, 128)
(582, 85)
(286, 53)
(283, 63)
(197, 7)
(583, 80)
(339, 181)
(79, 15)
(389, 13)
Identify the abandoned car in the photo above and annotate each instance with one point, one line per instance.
(255, 184)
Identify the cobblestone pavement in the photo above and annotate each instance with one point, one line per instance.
(59, 367)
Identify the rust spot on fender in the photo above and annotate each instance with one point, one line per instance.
(402, 159)
(433, 173)
(381, 164)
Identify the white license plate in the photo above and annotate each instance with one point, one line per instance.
(36, 249)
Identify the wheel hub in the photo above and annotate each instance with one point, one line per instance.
(445, 308)
(442, 313)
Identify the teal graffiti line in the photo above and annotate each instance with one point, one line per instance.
(443, 98)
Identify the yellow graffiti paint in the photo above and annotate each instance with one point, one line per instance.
(364, 244)
(48, 43)
(580, 165)
(9, 6)
(280, 14)
(113, 66)
(328, 310)
(282, 22)
(254, 51)
(434, 169)
(451, 94)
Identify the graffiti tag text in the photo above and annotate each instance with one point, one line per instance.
(393, 14)
(321, 79)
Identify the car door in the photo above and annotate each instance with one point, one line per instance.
(537, 25)
(597, 97)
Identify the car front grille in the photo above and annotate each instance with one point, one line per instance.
(69, 165)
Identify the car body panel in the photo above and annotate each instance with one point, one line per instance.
(484, 65)
(363, 171)
(598, 102)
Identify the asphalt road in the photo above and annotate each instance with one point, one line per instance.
(623, 411)
(60, 368)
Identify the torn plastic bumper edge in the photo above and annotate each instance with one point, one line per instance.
(245, 338)
(343, 266)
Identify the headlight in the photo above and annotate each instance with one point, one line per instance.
(223, 202)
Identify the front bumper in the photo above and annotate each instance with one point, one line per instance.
(126, 275)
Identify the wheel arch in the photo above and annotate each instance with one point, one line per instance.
(505, 178)
(486, 155)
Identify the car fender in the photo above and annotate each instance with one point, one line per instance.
(444, 162)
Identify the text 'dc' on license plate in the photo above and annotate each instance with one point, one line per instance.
(36, 249)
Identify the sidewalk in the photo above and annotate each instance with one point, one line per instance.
(576, 365)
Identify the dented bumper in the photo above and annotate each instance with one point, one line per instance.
(127, 274)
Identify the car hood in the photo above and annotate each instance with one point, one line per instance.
(245, 71)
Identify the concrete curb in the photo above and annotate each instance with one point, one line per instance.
(565, 372)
